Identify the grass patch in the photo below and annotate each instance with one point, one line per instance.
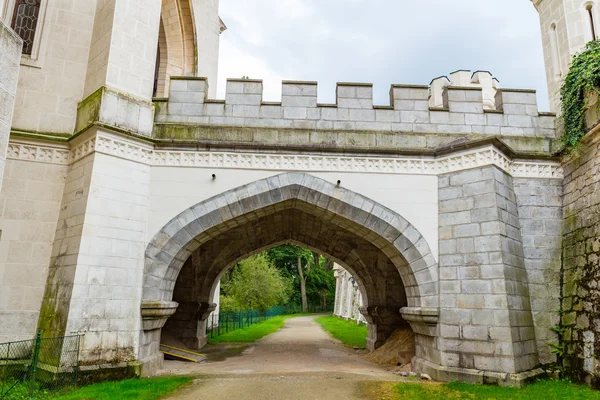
(543, 389)
(138, 389)
(253, 332)
(349, 332)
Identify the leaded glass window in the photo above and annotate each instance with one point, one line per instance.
(25, 19)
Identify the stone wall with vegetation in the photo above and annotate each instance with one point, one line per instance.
(581, 263)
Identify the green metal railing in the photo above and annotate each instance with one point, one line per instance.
(228, 321)
(33, 368)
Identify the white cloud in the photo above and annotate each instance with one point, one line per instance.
(380, 41)
(236, 63)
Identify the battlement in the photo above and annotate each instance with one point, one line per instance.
(464, 103)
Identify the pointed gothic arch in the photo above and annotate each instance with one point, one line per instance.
(389, 231)
(300, 208)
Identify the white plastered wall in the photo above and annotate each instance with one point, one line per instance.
(173, 189)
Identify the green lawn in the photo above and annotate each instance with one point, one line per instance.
(349, 332)
(134, 389)
(542, 390)
(253, 332)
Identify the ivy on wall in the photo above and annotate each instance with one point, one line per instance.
(583, 78)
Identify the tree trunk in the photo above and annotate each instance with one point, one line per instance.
(302, 286)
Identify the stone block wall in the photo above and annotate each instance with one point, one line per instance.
(581, 263)
(10, 55)
(540, 213)
(94, 286)
(30, 201)
(51, 83)
(208, 28)
(485, 312)
(127, 61)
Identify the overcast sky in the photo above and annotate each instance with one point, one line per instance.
(379, 41)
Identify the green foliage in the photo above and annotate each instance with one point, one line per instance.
(542, 389)
(256, 285)
(20, 391)
(556, 348)
(348, 332)
(583, 78)
(138, 389)
(228, 303)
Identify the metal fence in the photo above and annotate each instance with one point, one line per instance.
(30, 369)
(229, 321)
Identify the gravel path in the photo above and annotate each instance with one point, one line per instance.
(300, 361)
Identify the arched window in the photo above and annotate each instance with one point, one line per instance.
(590, 10)
(25, 21)
(554, 49)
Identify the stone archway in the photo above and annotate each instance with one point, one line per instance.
(371, 240)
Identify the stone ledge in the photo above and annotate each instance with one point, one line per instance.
(423, 320)
(405, 142)
(112, 108)
(450, 374)
(156, 313)
(428, 316)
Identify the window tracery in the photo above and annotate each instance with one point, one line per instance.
(25, 21)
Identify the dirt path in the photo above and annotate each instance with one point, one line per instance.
(300, 361)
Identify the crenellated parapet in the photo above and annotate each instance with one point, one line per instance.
(462, 78)
(465, 103)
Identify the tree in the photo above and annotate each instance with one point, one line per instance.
(320, 288)
(311, 273)
(303, 278)
(257, 284)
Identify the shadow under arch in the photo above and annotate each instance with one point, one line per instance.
(306, 197)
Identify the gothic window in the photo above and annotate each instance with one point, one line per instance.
(590, 10)
(25, 21)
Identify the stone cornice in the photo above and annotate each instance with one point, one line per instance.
(448, 161)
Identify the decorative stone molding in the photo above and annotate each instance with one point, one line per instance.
(378, 314)
(38, 153)
(156, 313)
(427, 316)
(422, 320)
(206, 309)
(488, 155)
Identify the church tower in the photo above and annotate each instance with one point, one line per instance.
(567, 25)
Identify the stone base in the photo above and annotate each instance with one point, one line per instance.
(89, 374)
(149, 365)
(450, 374)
